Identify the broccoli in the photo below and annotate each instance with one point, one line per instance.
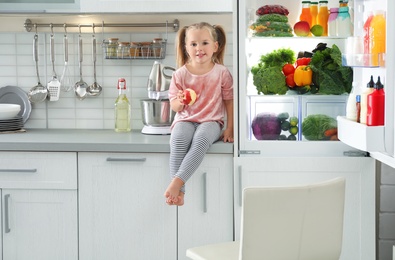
(270, 81)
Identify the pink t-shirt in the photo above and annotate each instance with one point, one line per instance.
(211, 89)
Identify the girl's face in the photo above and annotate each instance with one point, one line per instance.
(200, 46)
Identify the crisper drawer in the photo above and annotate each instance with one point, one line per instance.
(38, 170)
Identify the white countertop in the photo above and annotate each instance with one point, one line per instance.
(92, 141)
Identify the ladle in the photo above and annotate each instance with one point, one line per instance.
(94, 89)
(37, 93)
(80, 86)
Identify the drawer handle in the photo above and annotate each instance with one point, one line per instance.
(7, 213)
(18, 170)
(110, 159)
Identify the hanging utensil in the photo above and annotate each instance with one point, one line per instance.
(80, 86)
(53, 85)
(65, 80)
(37, 93)
(94, 89)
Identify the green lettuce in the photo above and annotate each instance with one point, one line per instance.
(328, 72)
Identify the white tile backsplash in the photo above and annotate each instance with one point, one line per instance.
(17, 68)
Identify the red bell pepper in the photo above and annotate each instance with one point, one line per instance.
(303, 61)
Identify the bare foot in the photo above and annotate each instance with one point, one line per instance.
(172, 193)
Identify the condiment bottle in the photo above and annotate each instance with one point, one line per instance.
(358, 106)
(306, 14)
(351, 109)
(322, 17)
(314, 13)
(376, 105)
(332, 30)
(377, 37)
(364, 100)
(343, 23)
(122, 108)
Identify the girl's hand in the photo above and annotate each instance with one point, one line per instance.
(180, 96)
(227, 135)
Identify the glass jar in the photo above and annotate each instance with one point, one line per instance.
(145, 49)
(111, 49)
(123, 50)
(157, 47)
(135, 48)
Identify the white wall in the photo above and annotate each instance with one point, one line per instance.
(17, 67)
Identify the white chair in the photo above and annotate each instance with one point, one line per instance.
(285, 223)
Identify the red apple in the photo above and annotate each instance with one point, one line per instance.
(302, 28)
(189, 97)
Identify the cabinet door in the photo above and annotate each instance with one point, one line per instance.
(122, 211)
(144, 6)
(359, 219)
(40, 224)
(207, 215)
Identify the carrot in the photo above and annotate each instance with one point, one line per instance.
(334, 138)
(330, 132)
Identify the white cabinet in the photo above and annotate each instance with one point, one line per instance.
(40, 6)
(144, 6)
(207, 215)
(122, 210)
(359, 223)
(39, 206)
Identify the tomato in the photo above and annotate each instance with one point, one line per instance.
(288, 69)
(289, 80)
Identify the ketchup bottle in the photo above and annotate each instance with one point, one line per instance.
(376, 105)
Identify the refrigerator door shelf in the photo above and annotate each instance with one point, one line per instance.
(360, 136)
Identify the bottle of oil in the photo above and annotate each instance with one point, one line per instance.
(122, 108)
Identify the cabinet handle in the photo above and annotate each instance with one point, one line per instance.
(110, 159)
(240, 187)
(18, 170)
(205, 192)
(6, 213)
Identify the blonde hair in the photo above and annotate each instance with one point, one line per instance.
(216, 32)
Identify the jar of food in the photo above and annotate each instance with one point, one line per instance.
(145, 49)
(135, 48)
(157, 47)
(123, 50)
(111, 48)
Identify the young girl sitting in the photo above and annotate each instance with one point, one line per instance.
(200, 54)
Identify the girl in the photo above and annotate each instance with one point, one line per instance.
(200, 54)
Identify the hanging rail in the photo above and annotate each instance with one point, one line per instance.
(29, 25)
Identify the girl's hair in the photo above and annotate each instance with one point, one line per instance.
(216, 32)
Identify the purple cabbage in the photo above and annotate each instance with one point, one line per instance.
(266, 126)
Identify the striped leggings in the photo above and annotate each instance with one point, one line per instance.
(189, 143)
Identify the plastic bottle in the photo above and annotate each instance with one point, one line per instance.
(343, 3)
(122, 108)
(314, 13)
(376, 105)
(366, 39)
(306, 14)
(377, 37)
(364, 100)
(322, 17)
(351, 109)
(358, 106)
(332, 31)
(343, 23)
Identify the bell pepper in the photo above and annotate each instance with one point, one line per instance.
(303, 76)
(302, 61)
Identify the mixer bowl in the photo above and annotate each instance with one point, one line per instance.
(156, 112)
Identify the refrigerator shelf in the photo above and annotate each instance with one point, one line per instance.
(363, 60)
(360, 136)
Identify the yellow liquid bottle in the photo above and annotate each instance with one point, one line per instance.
(122, 109)
(323, 15)
(314, 13)
(377, 38)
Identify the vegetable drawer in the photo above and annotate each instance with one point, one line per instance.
(38, 170)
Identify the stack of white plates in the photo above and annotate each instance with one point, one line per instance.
(12, 124)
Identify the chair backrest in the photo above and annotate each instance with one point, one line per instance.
(298, 223)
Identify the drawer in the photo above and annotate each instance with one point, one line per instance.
(38, 170)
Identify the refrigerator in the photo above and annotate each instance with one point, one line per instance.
(295, 161)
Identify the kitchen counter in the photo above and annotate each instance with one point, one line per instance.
(76, 140)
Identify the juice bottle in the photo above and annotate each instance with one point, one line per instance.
(306, 14)
(343, 3)
(322, 17)
(376, 105)
(366, 39)
(332, 31)
(364, 100)
(122, 108)
(343, 23)
(314, 13)
(377, 37)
